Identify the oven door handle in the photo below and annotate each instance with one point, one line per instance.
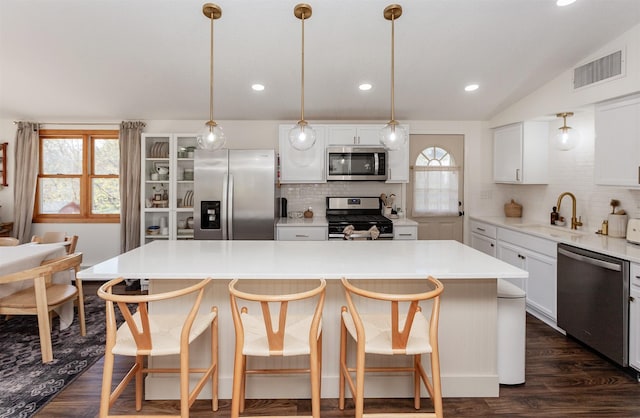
(593, 261)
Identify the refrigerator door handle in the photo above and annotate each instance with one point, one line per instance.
(230, 205)
(223, 215)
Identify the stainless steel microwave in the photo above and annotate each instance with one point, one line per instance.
(356, 163)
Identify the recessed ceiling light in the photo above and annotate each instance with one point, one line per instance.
(257, 87)
(365, 86)
(564, 2)
(471, 87)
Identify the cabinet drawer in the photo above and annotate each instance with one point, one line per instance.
(302, 234)
(634, 272)
(483, 228)
(405, 232)
(539, 245)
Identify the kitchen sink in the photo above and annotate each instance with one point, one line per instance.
(553, 231)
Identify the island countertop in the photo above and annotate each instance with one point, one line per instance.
(469, 303)
(288, 259)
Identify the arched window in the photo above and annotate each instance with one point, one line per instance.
(435, 183)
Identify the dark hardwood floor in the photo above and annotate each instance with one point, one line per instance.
(563, 379)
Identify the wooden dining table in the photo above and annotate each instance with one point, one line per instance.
(26, 256)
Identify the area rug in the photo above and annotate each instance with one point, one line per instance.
(26, 384)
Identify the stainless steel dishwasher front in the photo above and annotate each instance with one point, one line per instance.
(593, 300)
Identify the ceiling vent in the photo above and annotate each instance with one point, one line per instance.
(603, 69)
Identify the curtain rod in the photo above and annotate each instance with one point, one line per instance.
(74, 123)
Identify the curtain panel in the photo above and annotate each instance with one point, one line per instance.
(435, 191)
(26, 177)
(130, 144)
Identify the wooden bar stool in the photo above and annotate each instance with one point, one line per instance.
(391, 333)
(267, 333)
(145, 334)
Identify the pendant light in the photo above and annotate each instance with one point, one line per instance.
(211, 137)
(393, 136)
(567, 137)
(302, 136)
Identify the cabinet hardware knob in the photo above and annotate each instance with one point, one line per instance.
(631, 299)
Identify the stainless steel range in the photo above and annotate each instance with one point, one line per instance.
(360, 212)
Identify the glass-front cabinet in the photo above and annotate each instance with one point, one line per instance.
(167, 186)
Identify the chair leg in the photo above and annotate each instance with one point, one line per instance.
(83, 329)
(435, 382)
(107, 375)
(359, 396)
(184, 382)
(214, 359)
(139, 381)
(243, 395)
(416, 380)
(343, 363)
(320, 362)
(238, 373)
(314, 367)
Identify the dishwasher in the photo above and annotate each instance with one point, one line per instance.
(593, 300)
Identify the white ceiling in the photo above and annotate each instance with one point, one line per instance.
(124, 59)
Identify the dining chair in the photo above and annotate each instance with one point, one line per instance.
(399, 327)
(264, 328)
(49, 237)
(73, 242)
(44, 296)
(8, 241)
(144, 334)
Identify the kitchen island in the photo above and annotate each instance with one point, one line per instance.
(468, 309)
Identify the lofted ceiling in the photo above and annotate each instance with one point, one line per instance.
(138, 59)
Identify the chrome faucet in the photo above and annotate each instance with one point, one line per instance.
(575, 223)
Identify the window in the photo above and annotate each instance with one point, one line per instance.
(435, 186)
(78, 178)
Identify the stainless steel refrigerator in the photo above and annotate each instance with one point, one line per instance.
(234, 194)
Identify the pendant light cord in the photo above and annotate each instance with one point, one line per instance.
(211, 73)
(302, 78)
(393, 113)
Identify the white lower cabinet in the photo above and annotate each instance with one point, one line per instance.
(634, 317)
(405, 232)
(483, 237)
(538, 257)
(302, 233)
(512, 255)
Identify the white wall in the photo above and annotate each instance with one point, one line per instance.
(572, 170)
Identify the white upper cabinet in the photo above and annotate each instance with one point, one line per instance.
(354, 135)
(521, 153)
(302, 166)
(617, 142)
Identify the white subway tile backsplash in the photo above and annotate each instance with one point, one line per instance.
(302, 196)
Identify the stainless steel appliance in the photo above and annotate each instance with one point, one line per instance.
(356, 163)
(234, 194)
(361, 212)
(593, 300)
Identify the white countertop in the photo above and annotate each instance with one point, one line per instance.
(615, 247)
(319, 221)
(308, 259)
(403, 222)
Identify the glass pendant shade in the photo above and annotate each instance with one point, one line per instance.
(393, 136)
(212, 137)
(567, 138)
(302, 136)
